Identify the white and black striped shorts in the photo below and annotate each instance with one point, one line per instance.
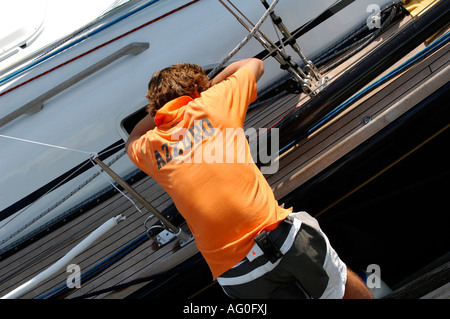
(309, 268)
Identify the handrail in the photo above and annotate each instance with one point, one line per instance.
(37, 104)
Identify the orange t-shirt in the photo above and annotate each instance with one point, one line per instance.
(198, 156)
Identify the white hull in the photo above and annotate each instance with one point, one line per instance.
(27, 26)
(87, 116)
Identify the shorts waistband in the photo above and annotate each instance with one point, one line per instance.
(255, 264)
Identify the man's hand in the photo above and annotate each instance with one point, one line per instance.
(256, 65)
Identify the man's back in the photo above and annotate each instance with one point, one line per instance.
(201, 157)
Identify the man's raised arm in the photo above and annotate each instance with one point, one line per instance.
(256, 65)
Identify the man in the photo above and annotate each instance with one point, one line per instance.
(254, 247)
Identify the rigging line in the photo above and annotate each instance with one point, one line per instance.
(113, 148)
(433, 47)
(393, 73)
(240, 12)
(113, 184)
(74, 236)
(362, 43)
(382, 171)
(41, 144)
(91, 155)
(45, 144)
(277, 32)
(246, 39)
(55, 205)
(251, 23)
(326, 14)
(357, 32)
(23, 210)
(12, 245)
(311, 24)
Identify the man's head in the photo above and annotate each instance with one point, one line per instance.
(173, 82)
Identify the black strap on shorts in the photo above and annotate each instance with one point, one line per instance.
(277, 237)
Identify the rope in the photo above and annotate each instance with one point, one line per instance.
(246, 39)
(51, 208)
(91, 154)
(365, 41)
(45, 144)
(114, 184)
(99, 172)
(41, 144)
(324, 53)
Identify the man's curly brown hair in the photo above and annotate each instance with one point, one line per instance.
(175, 81)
